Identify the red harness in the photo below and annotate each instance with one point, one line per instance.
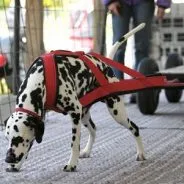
(138, 81)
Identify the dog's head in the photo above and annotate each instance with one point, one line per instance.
(21, 131)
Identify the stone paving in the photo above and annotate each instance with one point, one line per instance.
(113, 157)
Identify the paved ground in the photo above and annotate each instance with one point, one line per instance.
(113, 157)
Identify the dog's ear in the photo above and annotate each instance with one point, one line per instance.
(38, 126)
(39, 131)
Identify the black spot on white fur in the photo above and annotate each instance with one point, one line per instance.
(16, 128)
(24, 97)
(16, 141)
(36, 99)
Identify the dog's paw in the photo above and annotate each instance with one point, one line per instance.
(69, 168)
(140, 157)
(84, 154)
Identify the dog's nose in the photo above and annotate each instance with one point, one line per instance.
(10, 156)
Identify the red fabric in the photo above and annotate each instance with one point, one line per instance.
(3, 60)
(50, 80)
(124, 87)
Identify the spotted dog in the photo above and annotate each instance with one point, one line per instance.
(74, 80)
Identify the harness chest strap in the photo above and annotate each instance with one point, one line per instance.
(50, 80)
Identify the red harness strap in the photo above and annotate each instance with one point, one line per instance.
(50, 80)
(138, 82)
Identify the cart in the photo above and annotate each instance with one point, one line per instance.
(147, 100)
(171, 37)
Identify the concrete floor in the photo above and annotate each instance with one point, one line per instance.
(113, 156)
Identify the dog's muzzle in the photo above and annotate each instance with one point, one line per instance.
(10, 157)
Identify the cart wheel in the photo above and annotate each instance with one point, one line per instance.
(148, 99)
(173, 95)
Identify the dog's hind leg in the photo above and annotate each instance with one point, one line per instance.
(117, 110)
(88, 123)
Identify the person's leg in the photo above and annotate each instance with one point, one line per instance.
(120, 26)
(143, 12)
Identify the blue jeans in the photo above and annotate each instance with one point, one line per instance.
(142, 12)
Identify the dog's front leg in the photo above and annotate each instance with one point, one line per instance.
(89, 124)
(75, 145)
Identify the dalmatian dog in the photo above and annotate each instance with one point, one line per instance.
(75, 79)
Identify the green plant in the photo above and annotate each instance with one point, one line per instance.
(4, 3)
(51, 3)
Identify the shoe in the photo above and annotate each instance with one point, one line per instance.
(133, 99)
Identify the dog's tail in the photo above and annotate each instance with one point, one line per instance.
(123, 39)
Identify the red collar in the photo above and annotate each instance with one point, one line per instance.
(29, 112)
